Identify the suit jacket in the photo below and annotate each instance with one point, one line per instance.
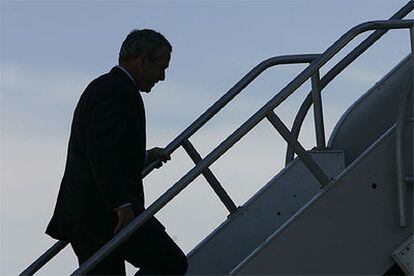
(105, 159)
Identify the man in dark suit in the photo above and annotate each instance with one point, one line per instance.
(101, 190)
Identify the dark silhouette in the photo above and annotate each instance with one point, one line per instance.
(101, 190)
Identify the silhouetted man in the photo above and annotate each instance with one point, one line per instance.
(101, 190)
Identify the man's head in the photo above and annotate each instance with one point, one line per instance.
(146, 55)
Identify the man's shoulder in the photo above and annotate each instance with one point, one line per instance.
(104, 80)
(107, 85)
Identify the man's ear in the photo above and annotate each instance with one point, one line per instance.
(140, 60)
(144, 58)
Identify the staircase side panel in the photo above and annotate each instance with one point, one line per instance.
(352, 227)
(259, 217)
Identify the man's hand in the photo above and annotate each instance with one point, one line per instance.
(125, 216)
(159, 154)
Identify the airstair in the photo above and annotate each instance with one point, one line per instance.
(343, 207)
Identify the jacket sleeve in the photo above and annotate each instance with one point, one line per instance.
(105, 131)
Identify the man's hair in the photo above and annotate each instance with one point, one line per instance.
(143, 41)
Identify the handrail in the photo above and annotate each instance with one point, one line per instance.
(190, 130)
(128, 230)
(231, 94)
(401, 187)
(338, 68)
(44, 258)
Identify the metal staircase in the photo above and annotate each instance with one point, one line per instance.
(351, 227)
(313, 183)
(280, 230)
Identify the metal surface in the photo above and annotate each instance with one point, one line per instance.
(210, 177)
(338, 68)
(349, 228)
(231, 94)
(261, 215)
(412, 39)
(317, 111)
(404, 256)
(317, 172)
(235, 136)
(44, 258)
(399, 141)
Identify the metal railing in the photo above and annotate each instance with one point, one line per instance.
(45, 258)
(400, 122)
(202, 165)
(401, 183)
(265, 111)
(336, 70)
(183, 138)
(230, 95)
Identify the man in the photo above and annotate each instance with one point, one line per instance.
(101, 190)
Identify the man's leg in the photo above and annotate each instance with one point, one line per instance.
(85, 247)
(154, 252)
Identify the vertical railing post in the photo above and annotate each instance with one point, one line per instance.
(317, 110)
(401, 183)
(400, 164)
(412, 50)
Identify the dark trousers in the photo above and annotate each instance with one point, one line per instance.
(150, 248)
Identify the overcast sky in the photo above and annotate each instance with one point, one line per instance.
(50, 51)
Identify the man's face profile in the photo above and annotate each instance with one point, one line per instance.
(153, 71)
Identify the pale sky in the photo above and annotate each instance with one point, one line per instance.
(50, 51)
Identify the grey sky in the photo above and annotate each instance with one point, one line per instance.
(50, 50)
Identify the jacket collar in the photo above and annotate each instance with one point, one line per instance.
(127, 73)
(120, 71)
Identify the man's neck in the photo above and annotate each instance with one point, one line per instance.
(125, 70)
